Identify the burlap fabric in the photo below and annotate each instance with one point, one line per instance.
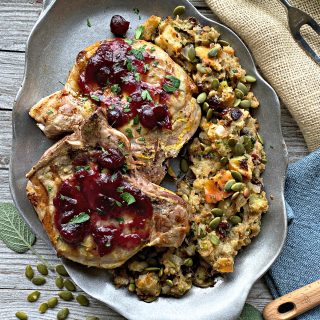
(263, 26)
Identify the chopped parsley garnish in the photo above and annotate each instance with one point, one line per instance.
(118, 203)
(146, 67)
(79, 218)
(49, 188)
(49, 111)
(125, 168)
(120, 220)
(129, 133)
(130, 66)
(138, 32)
(84, 98)
(120, 189)
(78, 188)
(101, 212)
(141, 139)
(137, 76)
(115, 88)
(127, 108)
(139, 130)
(95, 97)
(145, 95)
(136, 10)
(129, 41)
(128, 198)
(129, 99)
(173, 86)
(87, 167)
(62, 83)
(136, 120)
(138, 53)
(112, 107)
(121, 145)
(89, 23)
(155, 63)
(153, 49)
(62, 197)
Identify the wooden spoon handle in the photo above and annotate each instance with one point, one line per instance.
(294, 303)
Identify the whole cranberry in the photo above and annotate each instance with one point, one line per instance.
(119, 26)
(151, 116)
(112, 159)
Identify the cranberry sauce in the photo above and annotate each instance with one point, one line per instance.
(97, 201)
(118, 67)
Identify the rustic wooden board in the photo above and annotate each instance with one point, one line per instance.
(17, 19)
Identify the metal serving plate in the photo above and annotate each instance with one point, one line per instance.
(58, 36)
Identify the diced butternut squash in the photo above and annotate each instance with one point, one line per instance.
(214, 187)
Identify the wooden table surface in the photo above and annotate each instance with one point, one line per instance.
(17, 18)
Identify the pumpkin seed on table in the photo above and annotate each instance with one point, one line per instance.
(169, 283)
(215, 84)
(201, 97)
(250, 79)
(179, 10)
(217, 212)
(33, 296)
(52, 302)
(241, 86)
(63, 314)
(245, 104)
(184, 166)
(29, 273)
(236, 175)
(235, 195)
(191, 53)
(209, 114)
(235, 220)
(38, 281)
(260, 138)
(60, 269)
(229, 184)
(188, 262)
(59, 282)
(232, 142)
(239, 149)
(224, 160)
(43, 307)
(83, 300)
(238, 93)
(213, 239)
(69, 285)
(201, 68)
(65, 295)
(213, 52)
(21, 315)
(132, 287)
(205, 107)
(238, 186)
(42, 268)
(223, 43)
(214, 223)
(236, 103)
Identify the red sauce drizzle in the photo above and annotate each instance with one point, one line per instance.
(113, 221)
(118, 66)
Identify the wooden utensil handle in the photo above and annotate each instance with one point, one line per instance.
(293, 303)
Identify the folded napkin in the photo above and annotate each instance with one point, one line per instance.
(299, 262)
(263, 26)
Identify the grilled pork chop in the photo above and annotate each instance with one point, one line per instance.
(95, 207)
(148, 97)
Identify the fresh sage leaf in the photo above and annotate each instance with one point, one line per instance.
(14, 232)
(249, 312)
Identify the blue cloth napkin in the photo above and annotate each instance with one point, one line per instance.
(299, 261)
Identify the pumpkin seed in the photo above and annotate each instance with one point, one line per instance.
(42, 268)
(229, 184)
(38, 281)
(214, 223)
(245, 104)
(213, 52)
(150, 299)
(29, 273)
(235, 195)
(239, 94)
(65, 295)
(207, 150)
(213, 239)
(179, 10)
(236, 102)
(184, 166)
(152, 269)
(241, 86)
(201, 68)
(236, 175)
(33, 296)
(232, 142)
(250, 79)
(215, 84)
(191, 53)
(21, 315)
(217, 212)
(62, 270)
(59, 282)
(82, 300)
(224, 43)
(238, 186)
(160, 274)
(63, 314)
(188, 262)
(43, 307)
(92, 318)
(205, 107)
(52, 302)
(224, 160)
(260, 138)
(69, 285)
(132, 287)
(246, 192)
(239, 149)
(235, 220)
(248, 144)
(201, 232)
(169, 282)
(209, 114)
(201, 97)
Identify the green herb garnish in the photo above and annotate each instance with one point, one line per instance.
(129, 133)
(173, 86)
(145, 95)
(115, 88)
(95, 97)
(128, 198)
(136, 120)
(89, 23)
(138, 32)
(138, 53)
(79, 218)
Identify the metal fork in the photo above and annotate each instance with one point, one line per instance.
(297, 19)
